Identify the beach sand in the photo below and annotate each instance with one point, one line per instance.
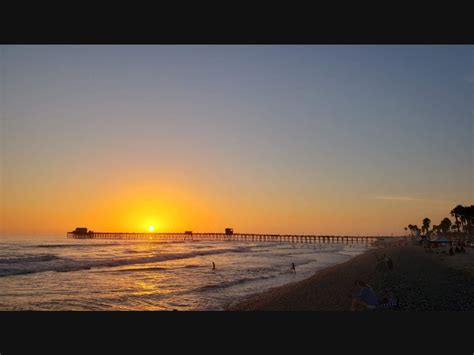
(420, 280)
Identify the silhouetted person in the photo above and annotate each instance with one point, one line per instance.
(213, 266)
(293, 268)
(451, 252)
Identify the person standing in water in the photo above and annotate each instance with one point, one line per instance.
(213, 266)
(293, 268)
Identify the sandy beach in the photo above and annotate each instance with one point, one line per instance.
(421, 280)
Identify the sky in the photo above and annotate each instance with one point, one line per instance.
(358, 140)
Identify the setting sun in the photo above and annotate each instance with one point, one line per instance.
(151, 228)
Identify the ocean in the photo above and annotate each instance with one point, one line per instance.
(56, 273)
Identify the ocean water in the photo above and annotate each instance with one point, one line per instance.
(65, 274)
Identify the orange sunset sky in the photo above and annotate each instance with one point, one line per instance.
(278, 139)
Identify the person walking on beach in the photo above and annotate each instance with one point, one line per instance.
(293, 268)
(213, 266)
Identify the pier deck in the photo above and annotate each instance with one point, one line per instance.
(250, 237)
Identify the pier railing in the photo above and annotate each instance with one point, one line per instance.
(250, 237)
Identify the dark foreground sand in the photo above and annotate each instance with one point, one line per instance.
(420, 280)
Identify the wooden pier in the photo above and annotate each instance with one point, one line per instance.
(245, 237)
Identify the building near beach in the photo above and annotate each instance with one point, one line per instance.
(80, 230)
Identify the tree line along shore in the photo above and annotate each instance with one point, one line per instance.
(461, 229)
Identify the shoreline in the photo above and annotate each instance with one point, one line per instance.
(256, 300)
(433, 282)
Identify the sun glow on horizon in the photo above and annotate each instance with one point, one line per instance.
(151, 228)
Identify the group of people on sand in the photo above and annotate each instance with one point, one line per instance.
(459, 249)
(364, 298)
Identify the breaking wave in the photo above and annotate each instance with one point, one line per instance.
(29, 259)
(54, 246)
(43, 263)
(225, 284)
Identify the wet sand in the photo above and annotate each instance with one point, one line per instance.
(420, 280)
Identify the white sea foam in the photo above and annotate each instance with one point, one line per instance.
(33, 264)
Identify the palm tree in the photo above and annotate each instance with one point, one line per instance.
(463, 219)
(445, 225)
(426, 225)
(417, 230)
(467, 219)
(456, 213)
(413, 229)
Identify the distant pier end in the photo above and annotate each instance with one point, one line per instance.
(81, 233)
(228, 235)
